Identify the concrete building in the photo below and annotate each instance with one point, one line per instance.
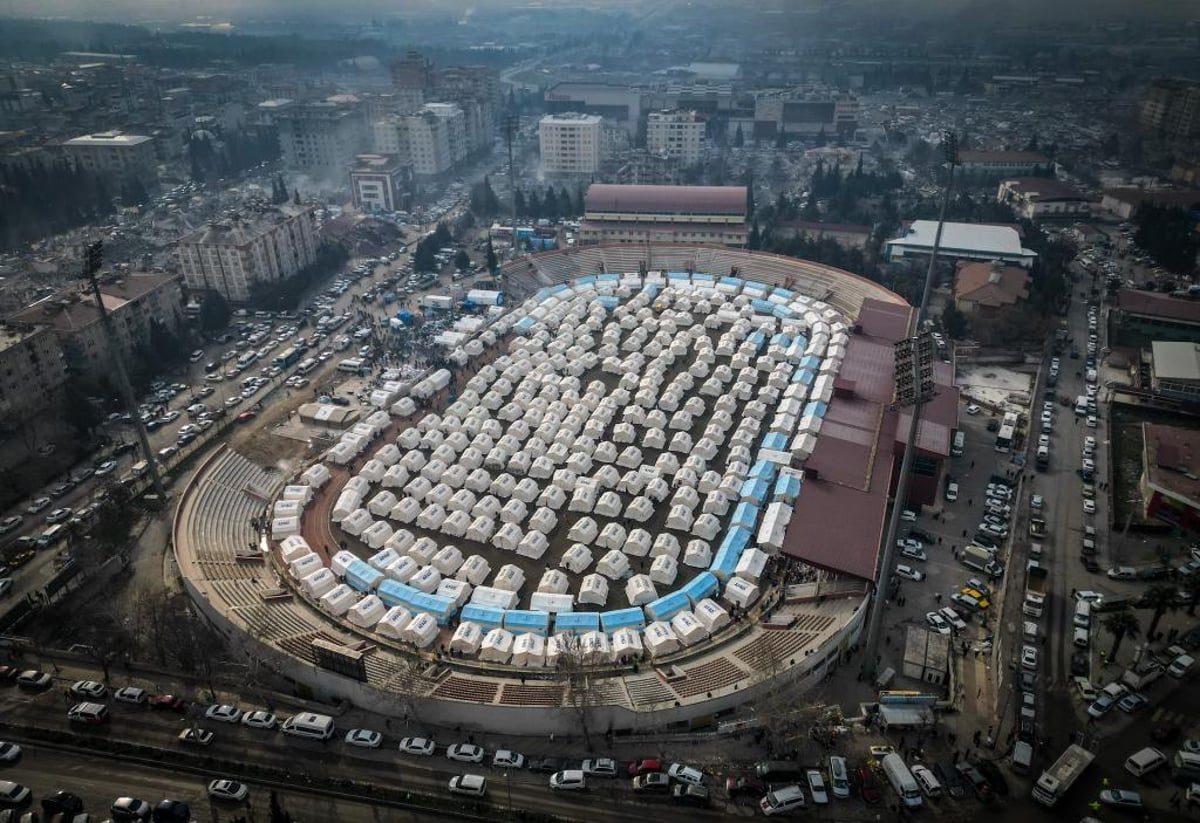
(32, 371)
(1172, 108)
(380, 182)
(455, 120)
(321, 138)
(961, 241)
(673, 214)
(1125, 202)
(618, 104)
(1145, 316)
(412, 77)
(1044, 198)
(706, 99)
(115, 156)
(570, 143)
(675, 134)
(268, 111)
(989, 288)
(1175, 369)
(474, 89)
(134, 302)
(846, 235)
(231, 256)
(1170, 481)
(1001, 163)
(798, 113)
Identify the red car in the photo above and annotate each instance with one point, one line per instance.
(168, 702)
(868, 785)
(246, 416)
(639, 767)
(8, 674)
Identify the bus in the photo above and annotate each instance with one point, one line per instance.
(307, 365)
(288, 358)
(1008, 431)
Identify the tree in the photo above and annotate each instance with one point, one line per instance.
(214, 311)
(296, 197)
(1161, 599)
(492, 262)
(954, 322)
(754, 240)
(1191, 588)
(1168, 235)
(739, 139)
(442, 236)
(749, 194)
(462, 260)
(78, 411)
(522, 207)
(104, 640)
(1121, 624)
(279, 192)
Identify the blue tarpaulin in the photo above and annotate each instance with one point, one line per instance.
(744, 516)
(776, 441)
(664, 608)
(804, 376)
(782, 340)
(786, 294)
(762, 470)
(787, 487)
(362, 576)
(801, 341)
(735, 542)
(441, 608)
(701, 277)
(678, 275)
(524, 325)
(608, 302)
(810, 361)
(560, 288)
(608, 278)
(783, 312)
(577, 622)
(585, 280)
(519, 620)
(763, 306)
(732, 281)
(489, 617)
(754, 491)
(700, 587)
(393, 593)
(757, 339)
(816, 408)
(754, 289)
(651, 289)
(633, 618)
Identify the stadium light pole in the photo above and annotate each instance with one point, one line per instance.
(511, 123)
(882, 575)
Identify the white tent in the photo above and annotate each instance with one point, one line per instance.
(382, 559)
(553, 582)
(431, 517)
(372, 471)
(656, 488)
(486, 506)
(305, 565)
(347, 502)
(612, 536)
(418, 487)
(751, 564)
(665, 544)
(712, 616)
(388, 454)
(403, 569)
(552, 497)
(639, 590)
(338, 600)
(698, 554)
(456, 591)
(340, 454)
(481, 529)
(408, 439)
(439, 495)
(301, 493)
(497, 646)
(479, 480)
(467, 638)
(292, 547)
(613, 565)
(282, 527)
(393, 622)
(637, 543)
(510, 578)
(529, 651)
(680, 518)
(630, 457)
(381, 503)
(640, 510)
(593, 590)
(526, 491)
(316, 475)
(664, 569)
(474, 570)
(401, 541)
(395, 477)
(376, 534)
(341, 561)
(660, 640)
(543, 520)
(423, 550)
(688, 628)
(357, 522)
(414, 460)
(496, 598)
(741, 592)
(774, 527)
(421, 631)
(448, 560)
(514, 511)
(576, 559)
(367, 612)
(533, 545)
(583, 531)
(595, 648)
(626, 644)
(317, 583)
(456, 524)
(686, 496)
(508, 537)
(607, 477)
(716, 503)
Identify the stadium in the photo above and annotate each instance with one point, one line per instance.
(652, 489)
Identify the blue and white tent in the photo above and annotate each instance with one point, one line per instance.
(666, 607)
(622, 618)
(520, 620)
(701, 586)
(577, 622)
(489, 617)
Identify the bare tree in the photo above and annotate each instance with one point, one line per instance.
(579, 680)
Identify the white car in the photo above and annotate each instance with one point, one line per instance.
(1089, 506)
(1092, 422)
(259, 720)
(223, 713)
(913, 553)
(472, 785)
(465, 753)
(197, 737)
(9, 752)
(229, 790)
(364, 738)
(1029, 658)
(816, 787)
(1044, 440)
(952, 617)
(38, 504)
(908, 516)
(685, 774)
(417, 745)
(973, 409)
(1037, 501)
(89, 690)
(106, 468)
(505, 759)
(130, 694)
(937, 623)
(909, 573)
(59, 515)
(602, 767)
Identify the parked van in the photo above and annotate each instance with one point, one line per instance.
(782, 800)
(351, 364)
(52, 535)
(839, 777)
(1081, 639)
(929, 784)
(1083, 615)
(139, 468)
(1141, 763)
(310, 725)
(902, 780)
(960, 442)
(1081, 405)
(1185, 760)
(1022, 757)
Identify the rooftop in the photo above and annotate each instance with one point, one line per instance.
(571, 117)
(977, 239)
(241, 229)
(75, 308)
(1176, 360)
(1163, 197)
(817, 227)
(376, 163)
(1172, 461)
(1045, 188)
(1157, 304)
(728, 201)
(109, 138)
(991, 284)
(1001, 156)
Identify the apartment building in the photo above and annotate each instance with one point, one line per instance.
(115, 156)
(32, 371)
(570, 143)
(1171, 106)
(231, 256)
(380, 182)
(321, 138)
(1044, 198)
(675, 134)
(455, 128)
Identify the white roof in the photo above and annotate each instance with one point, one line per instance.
(108, 138)
(979, 240)
(1176, 360)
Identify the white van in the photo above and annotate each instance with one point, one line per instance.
(1081, 639)
(310, 725)
(1083, 615)
(1022, 757)
(139, 468)
(960, 442)
(52, 535)
(926, 780)
(351, 364)
(1186, 760)
(1145, 761)
(782, 800)
(902, 780)
(839, 778)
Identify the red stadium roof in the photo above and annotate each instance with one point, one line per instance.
(727, 201)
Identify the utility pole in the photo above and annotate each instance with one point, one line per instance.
(511, 124)
(93, 257)
(914, 387)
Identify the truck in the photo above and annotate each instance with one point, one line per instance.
(1057, 780)
(981, 560)
(1036, 582)
(1142, 676)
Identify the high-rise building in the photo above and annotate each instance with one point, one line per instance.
(455, 127)
(31, 371)
(675, 134)
(412, 77)
(421, 140)
(379, 182)
(570, 143)
(116, 156)
(321, 138)
(800, 113)
(1172, 107)
(231, 256)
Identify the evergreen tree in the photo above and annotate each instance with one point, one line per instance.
(550, 208)
(858, 170)
(522, 207)
(535, 205)
(214, 312)
(822, 140)
(462, 260)
(492, 263)
(565, 206)
(754, 241)
(749, 194)
(296, 197)
(781, 140)
(739, 139)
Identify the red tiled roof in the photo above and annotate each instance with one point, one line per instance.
(629, 225)
(718, 200)
(991, 285)
(1156, 304)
